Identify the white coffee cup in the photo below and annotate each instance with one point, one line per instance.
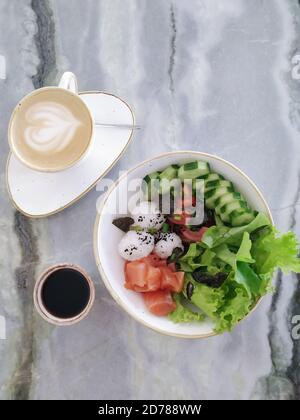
(51, 128)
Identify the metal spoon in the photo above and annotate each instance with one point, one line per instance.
(128, 126)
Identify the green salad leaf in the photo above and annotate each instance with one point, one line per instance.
(206, 298)
(224, 254)
(183, 313)
(225, 305)
(218, 221)
(247, 277)
(207, 258)
(235, 307)
(193, 252)
(244, 251)
(249, 255)
(190, 261)
(272, 250)
(217, 235)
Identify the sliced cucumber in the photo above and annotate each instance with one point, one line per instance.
(212, 177)
(224, 200)
(242, 217)
(212, 196)
(210, 185)
(192, 170)
(198, 186)
(171, 172)
(227, 209)
(227, 198)
(148, 187)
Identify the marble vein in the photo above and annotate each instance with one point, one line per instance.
(20, 381)
(293, 370)
(173, 47)
(45, 43)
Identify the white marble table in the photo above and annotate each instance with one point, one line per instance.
(214, 75)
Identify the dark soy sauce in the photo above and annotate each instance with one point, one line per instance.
(65, 293)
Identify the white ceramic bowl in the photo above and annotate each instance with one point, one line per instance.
(107, 237)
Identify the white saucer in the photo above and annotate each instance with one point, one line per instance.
(38, 194)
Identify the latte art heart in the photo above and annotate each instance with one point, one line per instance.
(51, 127)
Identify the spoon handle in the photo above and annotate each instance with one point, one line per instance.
(128, 126)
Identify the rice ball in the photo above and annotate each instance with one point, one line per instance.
(166, 245)
(147, 216)
(136, 245)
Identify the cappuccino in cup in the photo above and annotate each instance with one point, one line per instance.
(50, 129)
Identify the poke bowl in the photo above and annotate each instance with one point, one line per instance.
(234, 202)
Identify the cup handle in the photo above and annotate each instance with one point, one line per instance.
(68, 81)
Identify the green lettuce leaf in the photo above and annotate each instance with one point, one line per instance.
(210, 263)
(217, 235)
(272, 250)
(249, 254)
(207, 258)
(246, 276)
(244, 251)
(183, 313)
(237, 305)
(185, 266)
(223, 253)
(193, 252)
(243, 254)
(190, 261)
(208, 299)
(207, 261)
(225, 305)
(242, 273)
(218, 221)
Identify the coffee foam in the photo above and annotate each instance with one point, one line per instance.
(51, 127)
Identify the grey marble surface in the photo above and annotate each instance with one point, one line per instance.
(213, 75)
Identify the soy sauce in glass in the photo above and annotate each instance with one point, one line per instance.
(65, 293)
